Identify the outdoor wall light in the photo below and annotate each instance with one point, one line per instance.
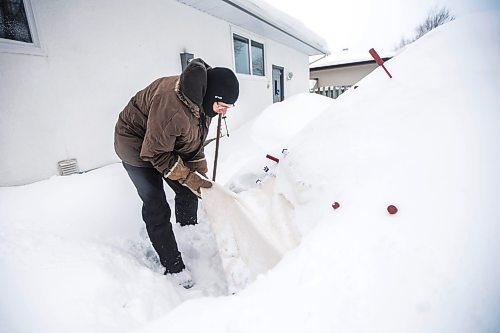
(185, 59)
(289, 75)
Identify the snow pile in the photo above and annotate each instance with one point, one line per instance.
(74, 256)
(243, 154)
(423, 141)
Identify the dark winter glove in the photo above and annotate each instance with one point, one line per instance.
(199, 166)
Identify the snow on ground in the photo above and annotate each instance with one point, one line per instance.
(74, 255)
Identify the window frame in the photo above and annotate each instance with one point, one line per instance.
(251, 38)
(14, 46)
(252, 42)
(248, 41)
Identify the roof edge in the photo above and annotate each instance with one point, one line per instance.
(348, 64)
(280, 26)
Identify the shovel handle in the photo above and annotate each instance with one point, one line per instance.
(219, 124)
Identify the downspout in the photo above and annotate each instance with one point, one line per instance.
(323, 57)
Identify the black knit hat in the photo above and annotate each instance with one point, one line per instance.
(222, 86)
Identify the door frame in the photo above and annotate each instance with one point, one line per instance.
(282, 82)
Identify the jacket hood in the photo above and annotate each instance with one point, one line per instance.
(193, 81)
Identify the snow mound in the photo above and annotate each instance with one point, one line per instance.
(280, 122)
(425, 141)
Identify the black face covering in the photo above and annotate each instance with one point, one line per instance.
(208, 107)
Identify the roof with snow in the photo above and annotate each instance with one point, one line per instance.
(345, 59)
(266, 20)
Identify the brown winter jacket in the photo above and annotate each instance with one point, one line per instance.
(164, 124)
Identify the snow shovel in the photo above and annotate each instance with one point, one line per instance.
(248, 246)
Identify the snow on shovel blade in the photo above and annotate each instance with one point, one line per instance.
(246, 249)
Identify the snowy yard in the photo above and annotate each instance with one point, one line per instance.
(74, 255)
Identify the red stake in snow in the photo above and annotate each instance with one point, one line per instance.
(272, 158)
(379, 61)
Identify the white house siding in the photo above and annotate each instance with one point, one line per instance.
(341, 76)
(97, 54)
(256, 92)
(295, 62)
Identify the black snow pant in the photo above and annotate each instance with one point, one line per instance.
(156, 212)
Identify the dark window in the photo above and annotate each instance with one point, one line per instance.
(248, 56)
(14, 22)
(241, 55)
(257, 58)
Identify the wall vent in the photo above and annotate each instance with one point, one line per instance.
(68, 167)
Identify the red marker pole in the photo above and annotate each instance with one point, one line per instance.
(379, 61)
(272, 158)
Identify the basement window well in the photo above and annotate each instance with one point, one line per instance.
(17, 28)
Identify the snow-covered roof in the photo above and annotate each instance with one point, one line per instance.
(346, 58)
(265, 20)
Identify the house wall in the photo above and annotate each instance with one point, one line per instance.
(96, 55)
(343, 76)
(256, 92)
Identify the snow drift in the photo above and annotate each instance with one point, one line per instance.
(426, 141)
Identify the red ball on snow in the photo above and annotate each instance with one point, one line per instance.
(392, 209)
(335, 205)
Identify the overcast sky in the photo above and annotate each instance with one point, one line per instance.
(362, 24)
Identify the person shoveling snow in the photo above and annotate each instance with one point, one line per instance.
(160, 136)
